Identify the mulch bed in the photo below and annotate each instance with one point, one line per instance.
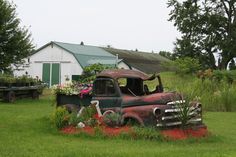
(180, 134)
(172, 134)
(108, 131)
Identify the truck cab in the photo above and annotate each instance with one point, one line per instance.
(126, 92)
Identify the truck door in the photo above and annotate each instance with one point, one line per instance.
(106, 91)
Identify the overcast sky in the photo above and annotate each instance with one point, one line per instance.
(124, 24)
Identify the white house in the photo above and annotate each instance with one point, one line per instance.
(55, 62)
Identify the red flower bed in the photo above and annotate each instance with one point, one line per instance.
(180, 134)
(69, 130)
(116, 131)
(90, 130)
(173, 134)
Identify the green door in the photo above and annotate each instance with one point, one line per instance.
(51, 73)
(55, 74)
(46, 73)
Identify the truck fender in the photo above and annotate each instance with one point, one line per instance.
(132, 116)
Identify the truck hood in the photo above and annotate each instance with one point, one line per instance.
(152, 99)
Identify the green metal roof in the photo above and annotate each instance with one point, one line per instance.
(87, 55)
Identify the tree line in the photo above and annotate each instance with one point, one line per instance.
(207, 27)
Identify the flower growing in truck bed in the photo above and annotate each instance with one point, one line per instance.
(72, 88)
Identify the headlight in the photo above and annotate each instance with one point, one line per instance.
(156, 112)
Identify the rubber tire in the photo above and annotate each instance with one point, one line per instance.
(131, 122)
(35, 94)
(11, 96)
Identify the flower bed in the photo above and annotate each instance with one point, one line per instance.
(171, 134)
(88, 121)
(182, 134)
(107, 131)
(73, 93)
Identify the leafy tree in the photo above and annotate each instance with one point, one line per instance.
(15, 41)
(167, 54)
(89, 73)
(207, 27)
(232, 65)
(186, 65)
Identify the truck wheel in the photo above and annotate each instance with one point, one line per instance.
(131, 122)
(35, 95)
(11, 96)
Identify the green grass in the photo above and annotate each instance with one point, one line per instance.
(25, 130)
(214, 96)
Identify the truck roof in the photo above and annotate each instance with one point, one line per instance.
(123, 73)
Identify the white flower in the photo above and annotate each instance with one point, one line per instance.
(80, 125)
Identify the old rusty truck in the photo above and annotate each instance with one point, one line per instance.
(126, 92)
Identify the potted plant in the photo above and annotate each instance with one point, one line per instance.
(71, 93)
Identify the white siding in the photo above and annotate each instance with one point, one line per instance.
(53, 54)
(122, 65)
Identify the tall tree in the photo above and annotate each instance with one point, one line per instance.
(207, 27)
(15, 41)
(167, 54)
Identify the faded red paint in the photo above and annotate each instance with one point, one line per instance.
(123, 73)
(132, 100)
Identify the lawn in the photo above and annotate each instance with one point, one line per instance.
(25, 130)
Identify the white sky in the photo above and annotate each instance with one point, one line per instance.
(124, 24)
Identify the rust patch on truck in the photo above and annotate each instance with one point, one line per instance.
(135, 101)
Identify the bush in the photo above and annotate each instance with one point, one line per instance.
(112, 119)
(224, 75)
(186, 65)
(60, 117)
(87, 116)
(73, 119)
(89, 72)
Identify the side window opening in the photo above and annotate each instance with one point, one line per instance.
(104, 88)
(131, 86)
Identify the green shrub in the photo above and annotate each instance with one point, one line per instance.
(87, 116)
(87, 113)
(60, 117)
(224, 75)
(89, 72)
(112, 119)
(73, 119)
(186, 65)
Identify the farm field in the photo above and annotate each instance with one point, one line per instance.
(25, 130)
